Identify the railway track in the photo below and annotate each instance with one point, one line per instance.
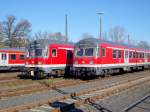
(32, 88)
(36, 87)
(86, 94)
(6, 76)
(68, 103)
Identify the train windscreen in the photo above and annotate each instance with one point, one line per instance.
(79, 52)
(38, 52)
(89, 51)
(35, 52)
(85, 52)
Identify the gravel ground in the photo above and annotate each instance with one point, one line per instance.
(8, 74)
(18, 87)
(44, 95)
(4, 103)
(118, 102)
(101, 83)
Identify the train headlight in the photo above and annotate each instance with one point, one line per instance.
(39, 63)
(75, 62)
(26, 63)
(91, 62)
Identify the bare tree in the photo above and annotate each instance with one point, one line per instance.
(12, 30)
(52, 36)
(143, 44)
(117, 34)
(1, 36)
(58, 36)
(41, 35)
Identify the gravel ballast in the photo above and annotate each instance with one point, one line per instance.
(119, 102)
(44, 95)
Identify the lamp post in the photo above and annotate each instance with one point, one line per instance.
(66, 27)
(100, 24)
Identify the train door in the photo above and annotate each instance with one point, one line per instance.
(69, 57)
(126, 56)
(54, 54)
(145, 57)
(3, 59)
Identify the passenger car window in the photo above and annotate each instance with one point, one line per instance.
(119, 54)
(22, 57)
(114, 53)
(13, 56)
(54, 53)
(130, 55)
(103, 52)
(4, 57)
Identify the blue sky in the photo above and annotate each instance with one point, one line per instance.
(48, 15)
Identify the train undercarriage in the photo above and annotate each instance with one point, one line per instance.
(40, 73)
(83, 72)
(95, 71)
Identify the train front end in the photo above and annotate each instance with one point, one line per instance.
(86, 58)
(36, 57)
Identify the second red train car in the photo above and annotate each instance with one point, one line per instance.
(98, 57)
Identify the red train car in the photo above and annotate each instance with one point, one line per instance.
(97, 57)
(12, 58)
(48, 57)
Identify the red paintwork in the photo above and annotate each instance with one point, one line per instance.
(17, 61)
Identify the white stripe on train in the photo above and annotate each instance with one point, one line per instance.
(47, 65)
(110, 65)
(12, 64)
(88, 65)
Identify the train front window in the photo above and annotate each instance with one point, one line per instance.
(35, 52)
(89, 51)
(31, 52)
(79, 52)
(38, 52)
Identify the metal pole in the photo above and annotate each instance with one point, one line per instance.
(66, 27)
(128, 39)
(100, 27)
(100, 31)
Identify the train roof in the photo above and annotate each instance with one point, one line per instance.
(44, 42)
(94, 41)
(12, 49)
